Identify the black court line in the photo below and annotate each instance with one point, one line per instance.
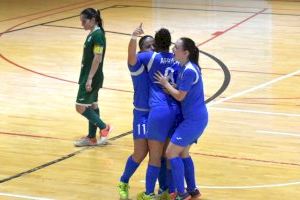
(157, 7)
(65, 157)
(48, 22)
(71, 27)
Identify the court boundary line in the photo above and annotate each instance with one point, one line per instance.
(49, 10)
(196, 153)
(60, 159)
(278, 133)
(297, 182)
(255, 111)
(262, 85)
(23, 196)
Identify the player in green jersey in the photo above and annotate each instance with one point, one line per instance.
(91, 78)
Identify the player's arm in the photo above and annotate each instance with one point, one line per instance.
(98, 57)
(179, 95)
(132, 59)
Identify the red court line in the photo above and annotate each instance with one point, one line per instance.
(247, 159)
(57, 8)
(229, 157)
(219, 33)
(35, 72)
(53, 77)
(196, 153)
(50, 15)
(31, 135)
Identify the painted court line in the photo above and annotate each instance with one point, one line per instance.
(255, 112)
(23, 196)
(254, 88)
(250, 186)
(219, 33)
(279, 133)
(246, 186)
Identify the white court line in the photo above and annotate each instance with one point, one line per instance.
(255, 112)
(254, 88)
(23, 196)
(246, 186)
(278, 133)
(250, 186)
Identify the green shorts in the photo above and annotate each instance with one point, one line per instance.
(85, 98)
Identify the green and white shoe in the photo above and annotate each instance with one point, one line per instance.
(163, 195)
(143, 196)
(123, 190)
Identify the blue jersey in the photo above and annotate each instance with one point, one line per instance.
(164, 63)
(190, 80)
(140, 80)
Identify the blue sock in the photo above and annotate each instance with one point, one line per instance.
(129, 170)
(162, 178)
(189, 173)
(151, 177)
(178, 174)
(170, 181)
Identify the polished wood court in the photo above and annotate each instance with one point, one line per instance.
(251, 148)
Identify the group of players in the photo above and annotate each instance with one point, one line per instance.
(169, 107)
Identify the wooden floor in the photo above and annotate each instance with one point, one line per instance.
(251, 148)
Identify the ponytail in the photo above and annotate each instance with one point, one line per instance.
(90, 13)
(99, 20)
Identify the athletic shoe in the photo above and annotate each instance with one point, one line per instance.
(144, 196)
(103, 135)
(123, 190)
(195, 193)
(185, 196)
(85, 141)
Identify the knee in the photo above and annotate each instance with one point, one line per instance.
(80, 109)
(139, 156)
(169, 153)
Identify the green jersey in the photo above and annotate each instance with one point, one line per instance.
(95, 43)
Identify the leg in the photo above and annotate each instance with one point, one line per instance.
(173, 152)
(133, 161)
(189, 169)
(93, 127)
(162, 178)
(155, 153)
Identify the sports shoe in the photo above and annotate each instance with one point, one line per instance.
(103, 135)
(185, 196)
(144, 196)
(85, 141)
(163, 195)
(195, 193)
(123, 190)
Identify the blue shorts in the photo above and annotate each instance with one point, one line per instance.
(178, 120)
(160, 122)
(188, 132)
(140, 120)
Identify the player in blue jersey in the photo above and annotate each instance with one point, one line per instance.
(189, 91)
(163, 108)
(140, 80)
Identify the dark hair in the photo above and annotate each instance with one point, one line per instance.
(190, 46)
(142, 40)
(90, 13)
(162, 39)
